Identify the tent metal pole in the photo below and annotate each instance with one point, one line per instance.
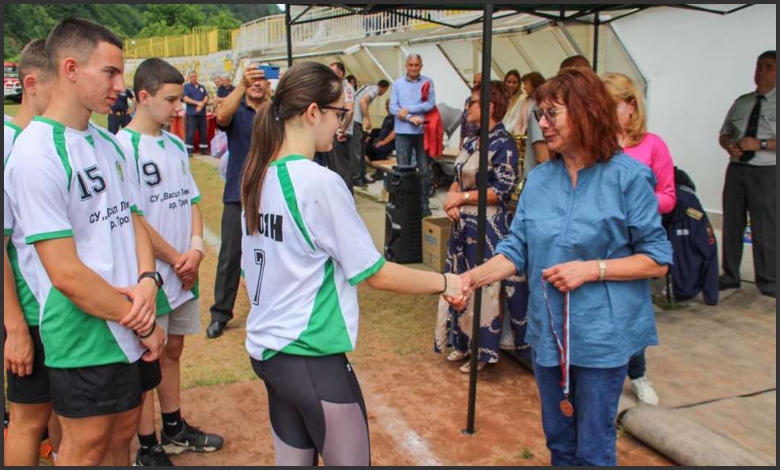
(288, 24)
(487, 55)
(596, 37)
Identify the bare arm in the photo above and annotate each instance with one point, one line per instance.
(197, 221)
(571, 276)
(188, 265)
(82, 286)
(402, 280)
(364, 103)
(19, 352)
(494, 270)
(143, 245)
(227, 109)
(161, 248)
(350, 115)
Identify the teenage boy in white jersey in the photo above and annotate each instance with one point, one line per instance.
(67, 182)
(169, 198)
(28, 378)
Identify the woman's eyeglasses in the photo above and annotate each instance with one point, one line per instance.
(341, 113)
(551, 114)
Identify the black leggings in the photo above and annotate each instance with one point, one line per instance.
(316, 408)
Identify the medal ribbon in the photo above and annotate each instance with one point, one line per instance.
(564, 351)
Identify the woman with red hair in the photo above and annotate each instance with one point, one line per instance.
(587, 234)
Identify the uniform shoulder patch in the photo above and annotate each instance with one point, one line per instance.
(694, 214)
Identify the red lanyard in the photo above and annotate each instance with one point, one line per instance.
(564, 349)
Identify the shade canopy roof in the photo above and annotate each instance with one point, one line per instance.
(582, 12)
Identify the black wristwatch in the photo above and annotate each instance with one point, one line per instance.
(764, 144)
(155, 276)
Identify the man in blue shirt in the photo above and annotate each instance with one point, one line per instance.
(196, 98)
(409, 109)
(234, 116)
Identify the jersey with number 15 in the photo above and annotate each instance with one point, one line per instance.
(66, 183)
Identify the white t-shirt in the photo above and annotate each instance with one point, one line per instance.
(166, 194)
(21, 256)
(74, 184)
(303, 267)
(372, 91)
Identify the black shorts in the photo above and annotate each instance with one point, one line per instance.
(33, 389)
(102, 391)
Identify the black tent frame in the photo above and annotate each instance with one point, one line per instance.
(563, 13)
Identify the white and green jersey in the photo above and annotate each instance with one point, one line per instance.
(22, 257)
(303, 266)
(72, 184)
(166, 192)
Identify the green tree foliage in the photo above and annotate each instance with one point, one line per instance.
(167, 19)
(25, 22)
(223, 20)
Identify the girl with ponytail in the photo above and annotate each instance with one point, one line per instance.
(305, 251)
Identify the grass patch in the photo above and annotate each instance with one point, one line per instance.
(211, 187)
(98, 119)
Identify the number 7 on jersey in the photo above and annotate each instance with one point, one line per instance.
(260, 262)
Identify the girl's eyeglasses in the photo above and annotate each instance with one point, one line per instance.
(341, 113)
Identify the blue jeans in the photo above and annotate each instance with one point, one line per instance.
(590, 437)
(408, 146)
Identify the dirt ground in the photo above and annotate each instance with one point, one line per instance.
(417, 408)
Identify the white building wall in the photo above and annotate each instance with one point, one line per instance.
(696, 65)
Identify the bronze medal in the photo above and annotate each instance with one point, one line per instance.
(567, 409)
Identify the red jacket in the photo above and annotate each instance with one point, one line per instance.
(434, 127)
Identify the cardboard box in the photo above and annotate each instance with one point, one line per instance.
(436, 236)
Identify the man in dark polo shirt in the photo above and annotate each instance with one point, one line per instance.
(234, 116)
(119, 116)
(196, 98)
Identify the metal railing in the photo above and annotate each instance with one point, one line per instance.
(201, 41)
(334, 25)
(322, 25)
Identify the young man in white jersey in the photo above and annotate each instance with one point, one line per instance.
(169, 199)
(67, 183)
(28, 377)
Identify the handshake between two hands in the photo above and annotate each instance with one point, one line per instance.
(459, 290)
(565, 277)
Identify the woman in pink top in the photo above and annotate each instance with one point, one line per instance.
(637, 142)
(652, 151)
